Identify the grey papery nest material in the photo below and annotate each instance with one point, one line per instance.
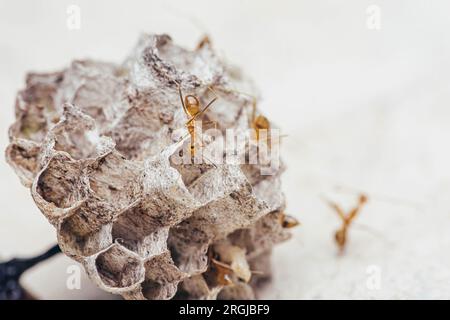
(95, 144)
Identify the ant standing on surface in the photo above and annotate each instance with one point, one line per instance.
(341, 234)
(191, 107)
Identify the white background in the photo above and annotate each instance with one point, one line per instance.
(363, 110)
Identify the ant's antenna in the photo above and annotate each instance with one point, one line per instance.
(193, 20)
(379, 197)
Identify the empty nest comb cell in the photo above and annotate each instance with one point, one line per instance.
(95, 143)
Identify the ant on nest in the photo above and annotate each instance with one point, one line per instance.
(258, 122)
(341, 234)
(192, 108)
(232, 271)
(237, 269)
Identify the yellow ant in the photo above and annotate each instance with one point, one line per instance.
(222, 273)
(257, 121)
(341, 234)
(260, 122)
(191, 106)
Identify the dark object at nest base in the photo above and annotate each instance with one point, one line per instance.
(12, 270)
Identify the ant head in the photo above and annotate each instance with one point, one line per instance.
(362, 198)
(288, 221)
(192, 104)
(261, 122)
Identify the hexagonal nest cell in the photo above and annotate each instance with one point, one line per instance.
(98, 145)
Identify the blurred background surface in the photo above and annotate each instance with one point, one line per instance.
(364, 109)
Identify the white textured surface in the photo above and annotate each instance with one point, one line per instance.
(363, 109)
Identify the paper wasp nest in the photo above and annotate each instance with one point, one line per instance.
(95, 143)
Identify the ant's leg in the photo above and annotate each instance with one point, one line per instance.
(201, 112)
(205, 40)
(209, 103)
(336, 208)
(184, 137)
(209, 160)
(254, 103)
(207, 106)
(181, 97)
(213, 91)
(219, 263)
(357, 209)
(280, 138)
(214, 122)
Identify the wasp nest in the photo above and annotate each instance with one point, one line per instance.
(95, 143)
